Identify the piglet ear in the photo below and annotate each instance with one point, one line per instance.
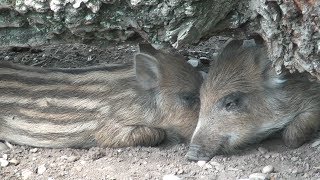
(147, 49)
(232, 45)
(147, 70)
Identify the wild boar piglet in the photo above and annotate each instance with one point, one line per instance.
(243, 100)
(108, 106)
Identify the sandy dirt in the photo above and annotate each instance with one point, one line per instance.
(164, 162)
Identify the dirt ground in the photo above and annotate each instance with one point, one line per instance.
(166, 162)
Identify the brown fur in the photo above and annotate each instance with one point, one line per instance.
(243, 101)
(108, 106)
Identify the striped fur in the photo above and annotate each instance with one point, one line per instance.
(98, 106)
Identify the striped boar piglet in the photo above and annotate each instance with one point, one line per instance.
(243, 100)
(108, 106)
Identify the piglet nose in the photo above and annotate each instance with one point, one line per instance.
(196, 153)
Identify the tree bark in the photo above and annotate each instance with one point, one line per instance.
(290, 28)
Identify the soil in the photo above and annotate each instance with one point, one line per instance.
(166, 162)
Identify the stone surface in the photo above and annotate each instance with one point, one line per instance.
(170, 177)
(291, 31)
(289, 28)
(258, 176)
(175, 22)
(268, 169)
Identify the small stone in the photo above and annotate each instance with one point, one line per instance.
(268, 169)
(193, 62)
(6, 58)
(5, 156)
(180, 171)
(72, 158)
(201, 163)
(26, 173)
(170, 177)
(14, 161)
(83, 162)
(258, 176)
(90, 58)
(217, 165)
(275, 155)
(233, 169)
(4, 162)
(10, 146)
(262, 150)
(214, 163)
(34, 150)
(294, 159)
(316, 143)
(3, 147)
(203, 58)
(267, 156)
(209, 166)
(41, 169)
(78, 168)
(297, 171)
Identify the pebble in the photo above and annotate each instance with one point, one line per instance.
(297, 171)
(4, 162)
(26, 173)
(72, 158)
(41, 169)
(233, 169)
(294, 159)
(208, 166)
(214, 163)
(201, 163)
(3, 147)
(34, 150)
(6, 58)
(5, 156)
(14, 161)
(193, 62)
(83, 162)
(78, 168)
(275, 155)
(10, 146)
(258, 176)
(170, 177)
(180, 171)
(268, 169)
(217, 165)
(316, 143)
(267, 156)
(262, 150)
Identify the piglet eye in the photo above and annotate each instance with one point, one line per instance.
(232, 101)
